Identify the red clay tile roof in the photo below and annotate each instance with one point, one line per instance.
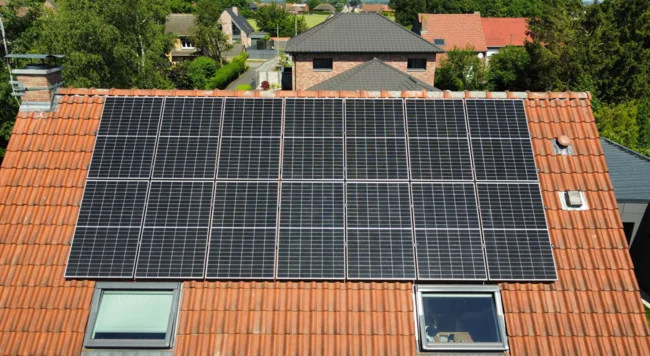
(458, 30)
(378, 8)
(501, 32)
(593, 309)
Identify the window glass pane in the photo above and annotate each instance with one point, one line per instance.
(133, 315)
(417, 63)
(323, 63)
(460, 318)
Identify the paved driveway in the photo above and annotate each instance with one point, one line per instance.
(248, 77)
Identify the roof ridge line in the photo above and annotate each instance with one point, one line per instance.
(409, 31)
(400, 72)
(311, 31)
(629, 150)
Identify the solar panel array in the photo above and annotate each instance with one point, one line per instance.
(270, 188)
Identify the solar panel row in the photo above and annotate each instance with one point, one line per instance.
(355, 200)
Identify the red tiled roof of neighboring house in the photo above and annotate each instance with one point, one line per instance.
(501, 32)
(378, 8)
(593, 308)
(458, 30)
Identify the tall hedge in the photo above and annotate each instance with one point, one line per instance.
(228, 73)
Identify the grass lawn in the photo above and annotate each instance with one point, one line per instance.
(311, 19)
(253, 23)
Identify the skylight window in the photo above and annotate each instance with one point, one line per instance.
(126, 315)
(455, 318)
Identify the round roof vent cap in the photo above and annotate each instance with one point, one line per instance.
(564, 141)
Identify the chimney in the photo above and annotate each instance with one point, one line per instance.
(234, 9)
(36, 82)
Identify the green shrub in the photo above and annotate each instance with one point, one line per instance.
(228, 73)
(201, 69)
(244, 87)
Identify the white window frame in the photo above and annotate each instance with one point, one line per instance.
(420, 290)
(183, 46)
(100, 287)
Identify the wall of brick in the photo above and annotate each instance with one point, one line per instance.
(226, 28)
(305, 77)
(38, 81)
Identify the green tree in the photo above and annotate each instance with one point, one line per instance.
(200, 70)
(508, 70)
(461, 70)
(619, 123)
(312, 4)
(354, 3)
(270, 17)
(206, 32)
(181, 6)
(179, 76)
(118, 43)
(406, 11)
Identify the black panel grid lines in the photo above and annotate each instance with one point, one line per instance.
(176, 227)
(313, 118)
(519, 255)
(440, 159)
(251, 139)
(450, 255)
(493, 118)
(312, 227)
(189, 138)
(242, 243)
(504, 160)
(380, 254)
(445, 206)
(511, 206)
(374, 118)
(437, 118)
(130, 116)
(106, 237)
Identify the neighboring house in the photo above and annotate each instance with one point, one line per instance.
(373, 75)
(449, 31)
(593, 308)
(252, 6)
(376, 8)
(297, 8)
(22, 11)
(345, 41)
(325, 8)
(501, 32)
(182, 48)
(630, 174)
(237, 28)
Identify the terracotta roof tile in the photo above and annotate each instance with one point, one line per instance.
(593, 308)
(504, 31)
(458, 30)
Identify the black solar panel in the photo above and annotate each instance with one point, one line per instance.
(179, 204)
(186, 157)
(445, 159)
(380, 254)
(492, 118)
(450, 254)
(122, 157)
(172, 253)
(374, 118)
(376, 158)
(191, 116)
(241, 253)
(245, 204)
(445, 206)
(249, 158)
(437, 118)
(103, 252)
(252, 117)
(110, 203)
(511, 206)
(312, 158)
(378, 205)
(311, 253)
(312, 205)
(313, 118)
(130, 116)
(501, 159)
(519, 255)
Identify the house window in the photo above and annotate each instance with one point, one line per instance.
(186, 44)
(455, 318)
(439, 41)
(323, 63)
(125, 315)
(235, 30)
(417, 64)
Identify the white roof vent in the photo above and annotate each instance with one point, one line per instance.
(573, 200)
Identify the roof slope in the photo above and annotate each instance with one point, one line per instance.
(354, 33)
(458, 30)
(593, 309)
(179, 24)
(241, 22)
(629, 171)
(373, 75)
(506, 31)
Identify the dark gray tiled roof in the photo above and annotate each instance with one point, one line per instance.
(179, 24)
(630, 172)
(354, 33)
(241, 22)
(373, 75)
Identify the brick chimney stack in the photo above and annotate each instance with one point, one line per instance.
(36, 84)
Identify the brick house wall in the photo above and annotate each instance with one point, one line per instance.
(304, 76)
(226, 27)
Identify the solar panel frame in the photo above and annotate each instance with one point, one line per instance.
(525, 201)
(143, 127)
(184, 157)
(464, 248)
(367, 214)
(179, 204)
(542, 268)
(262, 260)
(421, 126)
(292, 257)
(97, 195)
(498, 123)
(363, 238)
(170, 245)
(109, 152)
(299, 154)
(385, 159)
(393, 127)
(426, 165)
(241, 117)
(504, 160)
(436, 206)
(175, 120)
(298, 126)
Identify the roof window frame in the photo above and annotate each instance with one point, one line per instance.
(172, 321)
